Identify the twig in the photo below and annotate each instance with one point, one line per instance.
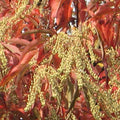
(39, 31)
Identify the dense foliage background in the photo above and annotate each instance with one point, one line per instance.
(59, 60)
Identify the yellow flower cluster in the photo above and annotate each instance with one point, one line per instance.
(95, 109)
(3, 61)
(35, 87)
(73, 57)
(20, 12)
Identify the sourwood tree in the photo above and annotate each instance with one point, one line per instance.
(59, 60)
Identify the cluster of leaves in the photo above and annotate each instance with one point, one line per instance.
(36, 61)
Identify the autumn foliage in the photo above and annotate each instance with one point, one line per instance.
(32, 35)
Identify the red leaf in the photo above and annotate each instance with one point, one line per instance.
(2, 101)
(117, 3)
(12, 48)
(55, 5)
(73, 76)
(64, 14)
(30, 47)
(106, 31)
(19, 41)
(12, 73)
(17, 28)
(61, 10)
(56, 61)
(41, 54)
(114, 88)
(81, 12)
(108, 8)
